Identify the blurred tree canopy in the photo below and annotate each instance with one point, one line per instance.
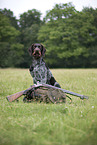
(10, 50)
(69, 36)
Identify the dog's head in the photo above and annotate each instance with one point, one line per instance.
(37, 50)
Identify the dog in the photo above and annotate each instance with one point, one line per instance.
(39, 71)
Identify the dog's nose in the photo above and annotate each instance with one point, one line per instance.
(37, 49)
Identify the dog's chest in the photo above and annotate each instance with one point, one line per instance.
(41, 74)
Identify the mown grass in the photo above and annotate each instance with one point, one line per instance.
(49, 124)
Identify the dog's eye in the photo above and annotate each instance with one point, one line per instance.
(36, 46)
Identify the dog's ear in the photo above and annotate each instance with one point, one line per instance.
(30, 49)
(43, 50)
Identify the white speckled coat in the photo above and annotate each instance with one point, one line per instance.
(40, 73)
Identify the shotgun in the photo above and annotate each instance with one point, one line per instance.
(15, 96)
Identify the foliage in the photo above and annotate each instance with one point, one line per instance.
(8, 13)
(30, 23)
(34, 123)
(10, 50)
(7, 32)
(69, 36)
(29, 18)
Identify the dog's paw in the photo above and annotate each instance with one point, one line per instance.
(57, 85)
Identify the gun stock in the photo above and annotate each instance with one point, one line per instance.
(15, 96)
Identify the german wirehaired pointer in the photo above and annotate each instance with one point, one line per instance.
(39, 71)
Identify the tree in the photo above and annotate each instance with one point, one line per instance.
(30, 23)
(9, 14)
(56, 33)
(92, 59)
(67, 36)
(60, 11)
(27, 19)
(70, 36)
(8, 37)
(29, 37)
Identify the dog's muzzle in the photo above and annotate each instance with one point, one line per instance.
(37, 53)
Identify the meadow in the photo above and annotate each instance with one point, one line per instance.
(72, 123)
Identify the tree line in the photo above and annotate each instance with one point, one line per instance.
(69, 36)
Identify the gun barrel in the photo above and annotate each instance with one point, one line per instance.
(75, 94)
(68, 92)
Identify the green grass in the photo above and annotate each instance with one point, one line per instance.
(49, 124)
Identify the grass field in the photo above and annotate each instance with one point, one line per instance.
(49, 124)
